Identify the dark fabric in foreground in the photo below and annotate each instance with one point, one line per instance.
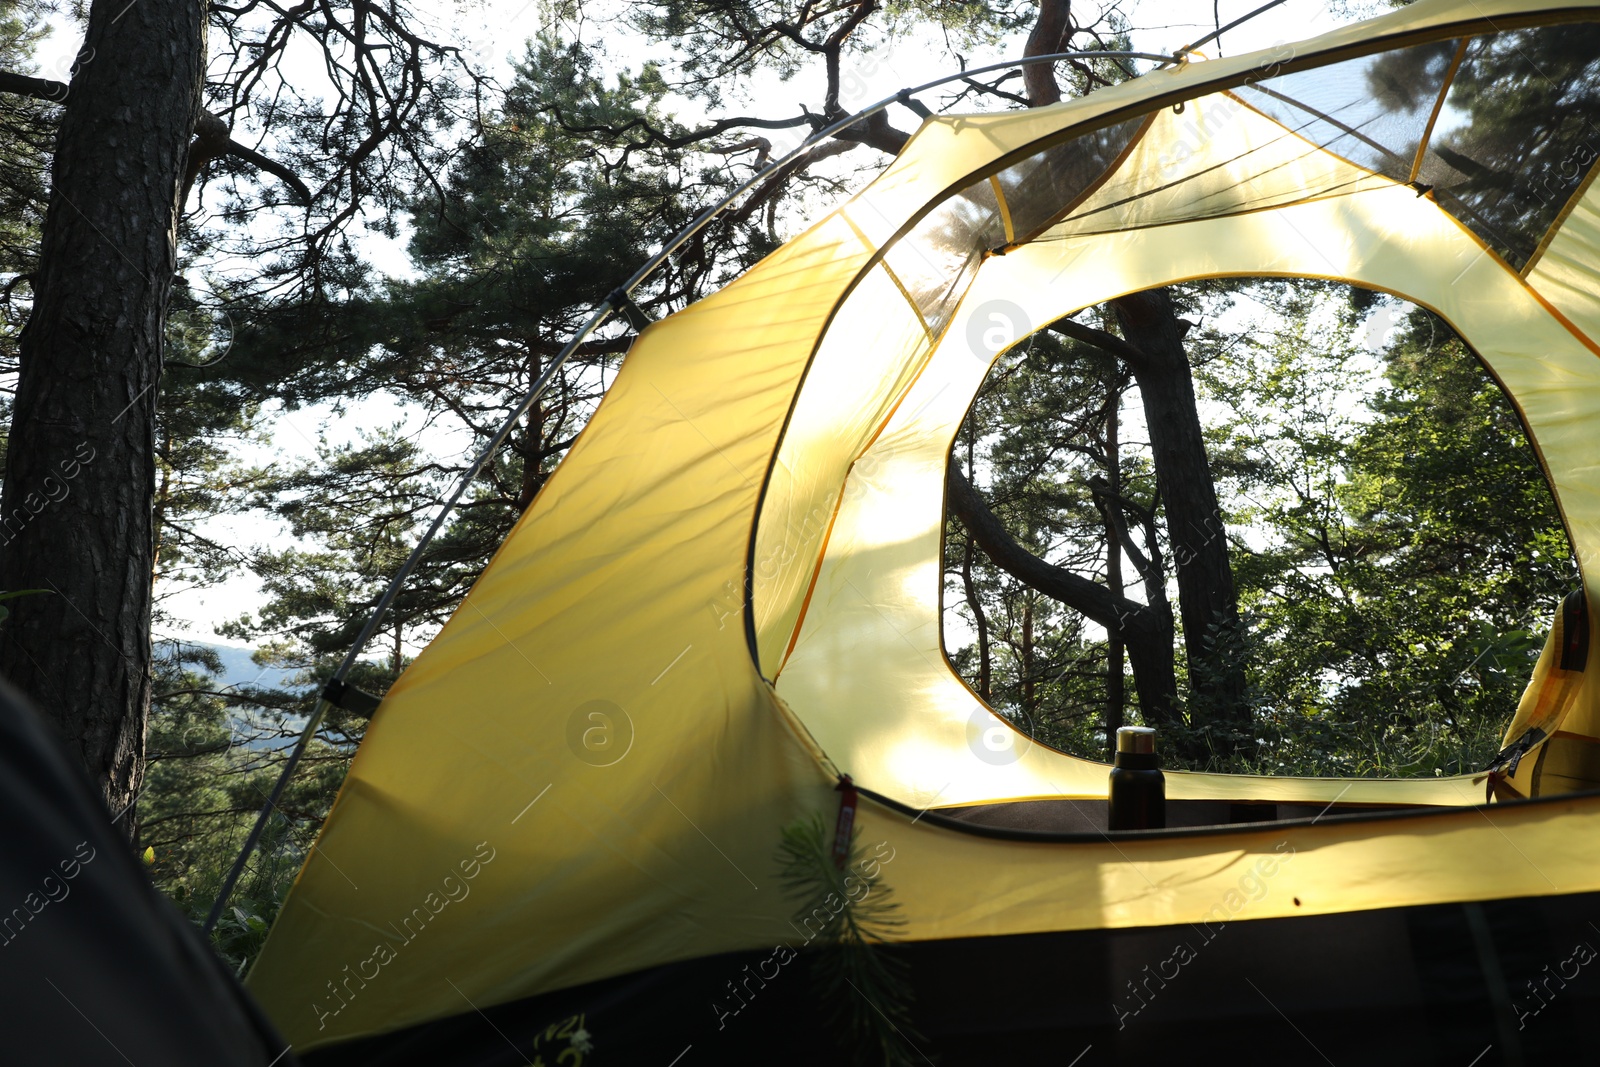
(1497, 983)
(95, 966)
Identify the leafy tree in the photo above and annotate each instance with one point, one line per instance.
(1528, 98)
(1169, 527)
(1040, 429)
(1418, 555)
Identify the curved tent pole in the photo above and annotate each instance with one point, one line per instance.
(1214, 34)
(618, 300)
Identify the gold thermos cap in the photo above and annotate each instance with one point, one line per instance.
(1136, 739)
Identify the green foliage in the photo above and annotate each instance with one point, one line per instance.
(356, 511)
(201, 426)
(720, 45)
(861, 984)
(1201, 740)
(1524, 134)
(5, 611)
(1417, 558)
(214, 755)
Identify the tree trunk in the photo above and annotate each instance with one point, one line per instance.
(980, 620)
(532, 477)
(1051, 32)
(1155, 353)
(1029, 701)
(1207, 601)
(76, 505)
(1149, 648)
(1145, 629)
(1115, 696)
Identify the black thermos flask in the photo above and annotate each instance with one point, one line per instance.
(1138, 791)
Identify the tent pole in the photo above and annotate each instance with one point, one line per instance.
(608, 307)
(1214, 34)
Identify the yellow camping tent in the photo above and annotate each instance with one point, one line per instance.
(729, 593)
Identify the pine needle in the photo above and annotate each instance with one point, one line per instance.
(849, 918)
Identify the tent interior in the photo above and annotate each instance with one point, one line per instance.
(728, 596)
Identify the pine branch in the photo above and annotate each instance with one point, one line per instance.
(52, 92)
(865, 991)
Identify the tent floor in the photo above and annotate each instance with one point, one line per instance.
(1507, 982)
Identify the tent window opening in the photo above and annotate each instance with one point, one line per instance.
(1394, 548)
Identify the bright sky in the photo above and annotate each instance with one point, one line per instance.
(494, 32)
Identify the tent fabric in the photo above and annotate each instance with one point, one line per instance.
(1557, 677)
(728, 594)
(95, 965)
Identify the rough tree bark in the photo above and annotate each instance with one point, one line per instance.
(76, 506)
(980, 618)
(1207, 600)
(1051, 32)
